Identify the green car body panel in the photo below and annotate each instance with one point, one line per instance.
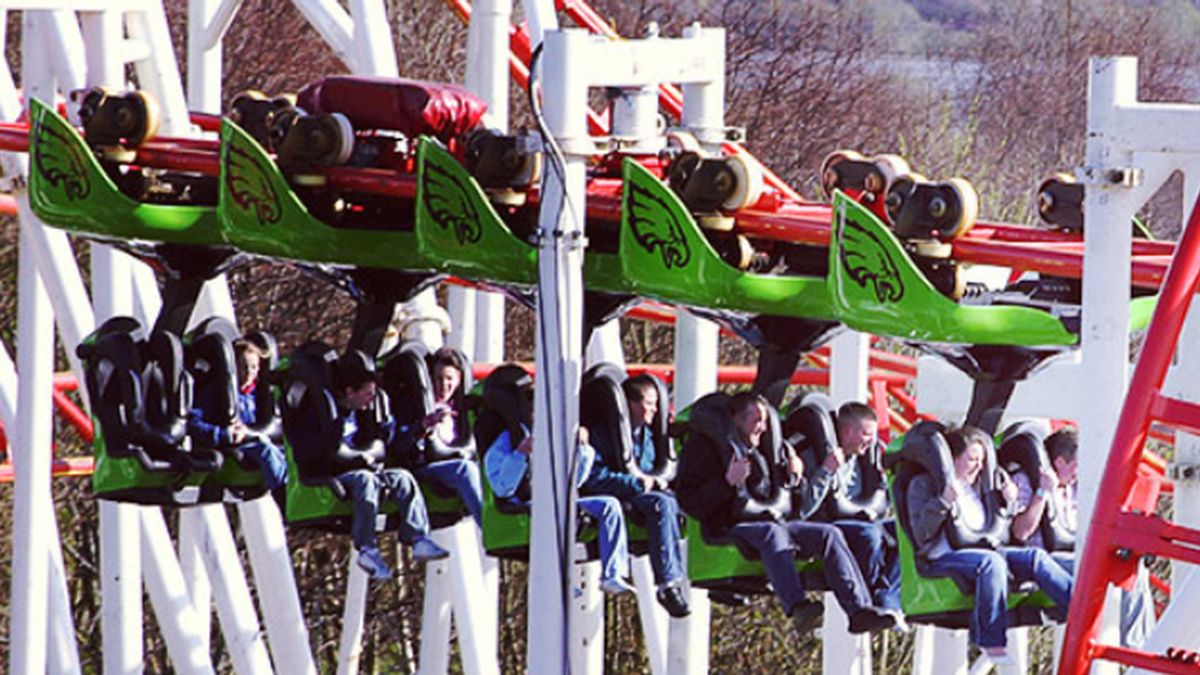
(69, 189)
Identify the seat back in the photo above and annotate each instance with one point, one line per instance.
(812, 428)
(1023, 451)
(406, 376)
(112, 363)
(925, 450)
(604, 410)
(213, 367)
(712, 416)
(309, 409)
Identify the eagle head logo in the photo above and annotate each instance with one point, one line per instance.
(60, 162)
(868, 262)
(250, 185)
(655, 226)
(449, 204)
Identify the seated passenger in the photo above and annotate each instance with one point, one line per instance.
(848, 488)
(650, 497)
(507, 467)
(258, 448)
(355, 385)
(447, 425)
(928, 512)
(715, 485)
(1054, 494)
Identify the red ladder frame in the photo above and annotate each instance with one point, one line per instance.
(1124, 526)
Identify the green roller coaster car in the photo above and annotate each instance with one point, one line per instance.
(664, 255)
(262, 214)
(876, 288)
(69, 189)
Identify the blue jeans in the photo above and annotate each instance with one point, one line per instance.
(872, 544)
(991, 570)
(661, 513)
(367, 487)
(779, 543)
(270, 460)
(614, 547)
(459, 475)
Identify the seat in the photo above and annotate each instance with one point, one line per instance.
(718, 563)
(605, 412)
(811, 427)
(212, 363)
(140, 396)
(312, 428)
(405, 376)
(1023, 451)
(506, 405)
(939, 599)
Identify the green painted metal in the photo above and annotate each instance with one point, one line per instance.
(318, 505)
(458, 228)
(261, 214)
(69, 189)
(664, 255)
(875, 288)
(710, 565)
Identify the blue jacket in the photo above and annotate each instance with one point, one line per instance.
(213, 435)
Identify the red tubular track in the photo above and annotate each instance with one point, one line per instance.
(1117, 535)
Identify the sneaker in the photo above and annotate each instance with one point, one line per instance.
(425, 549)
(673, 600)
(999, 656)
(807, 616)
(370, 560)
(871, 619)
(615, 586)
(901, 623)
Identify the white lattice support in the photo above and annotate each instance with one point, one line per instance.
(239, 623)
(653, 617)
(208, 20)
(278, 596)
(32, 506)
(169, 597)
(63, 652)
(191, 543)
(333, 24)
(354, 615)
(586, 611)
(159, 73)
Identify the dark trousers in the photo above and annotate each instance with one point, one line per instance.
(874, 548)
(779, 543)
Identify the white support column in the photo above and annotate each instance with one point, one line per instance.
(1104, 335)
(159, 74)
(487, 77)
(653, 617)
(32, 506)
(353, 618)
(848, 369)
(266, 543)
(191, 562)
(334, 25)
(605, 345)
(64, 653)
(460, 303)
(587, 619)
(32, 501)
(696, 342)
(940, 652)
(169, 597)
(239, 622)
(559, 352)
(435, 614)
(207, 22)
